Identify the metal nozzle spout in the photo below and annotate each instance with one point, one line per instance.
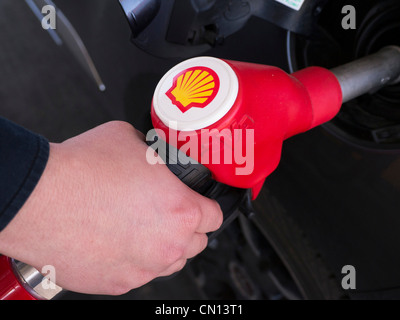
(369, 74)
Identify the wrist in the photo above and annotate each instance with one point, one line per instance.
(15, 239)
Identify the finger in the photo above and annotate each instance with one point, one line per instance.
(211, 216)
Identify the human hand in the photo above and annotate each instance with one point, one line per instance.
(106, 219)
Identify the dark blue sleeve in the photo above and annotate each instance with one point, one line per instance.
(23, 158)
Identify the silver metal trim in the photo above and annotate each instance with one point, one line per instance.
(32, 281)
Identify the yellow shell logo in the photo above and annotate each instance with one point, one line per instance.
(194, 87)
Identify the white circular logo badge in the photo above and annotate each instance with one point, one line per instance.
(196, 94)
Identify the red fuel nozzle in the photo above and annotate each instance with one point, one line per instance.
(233, 116)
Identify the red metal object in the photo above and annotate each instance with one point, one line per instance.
(276, 106)
(10, 287)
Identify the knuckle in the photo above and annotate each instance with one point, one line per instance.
(178, 266)
(144, 278)
(172, 254)
(181, 265)
(203, 243)
(191, 217)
